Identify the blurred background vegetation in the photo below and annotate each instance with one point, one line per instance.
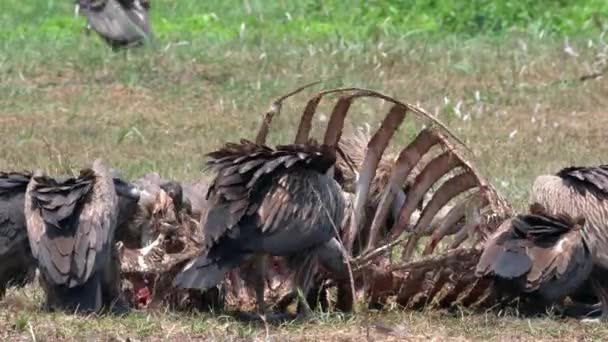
(309, 20)
(502, 74)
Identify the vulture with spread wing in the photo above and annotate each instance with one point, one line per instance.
(121, 23)
(540, 254)
(71, 224)
(17, 263)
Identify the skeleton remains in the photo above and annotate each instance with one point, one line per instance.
(415, 220)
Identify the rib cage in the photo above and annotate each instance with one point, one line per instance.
(448, 203)
(443, 280)
(434, 267)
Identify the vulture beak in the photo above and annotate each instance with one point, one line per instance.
(126, 190)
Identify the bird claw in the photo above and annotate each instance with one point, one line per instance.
(592, 320)
(268, 317)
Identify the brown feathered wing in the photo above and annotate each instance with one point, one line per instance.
(538, 252)
(14, 249)
(585, 178)
(12, 219)
(240, 168)
(70, 224)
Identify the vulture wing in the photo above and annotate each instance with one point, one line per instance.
(12, 220)
(584, 178)
(538, 252)
(14, 250)
(277, 196)
(70, 224)
(243, 168)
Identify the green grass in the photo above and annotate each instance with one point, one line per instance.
(21, 320)
(511, 92)
(310, 20)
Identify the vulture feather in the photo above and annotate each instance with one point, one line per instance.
(14, 245)
(538, 253)
(268, 201)
(121, 23)
(17, 263)
(71, 224)
(582, 192)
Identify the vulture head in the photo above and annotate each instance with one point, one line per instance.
(161, 237)
(128, 198)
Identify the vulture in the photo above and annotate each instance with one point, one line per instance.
(17, 263)
(139, 231)
(128, 200)
(71, 224)
(582, 191)
(121, 23)
(14, 245)
(540, 255)
(263, 201)
(561, 249)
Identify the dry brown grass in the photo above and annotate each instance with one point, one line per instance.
(22, 320)
(161, 112)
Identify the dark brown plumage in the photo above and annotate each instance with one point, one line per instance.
(71, 224)
(121, 23)
(17, 264)
(587, 179)
(582, 191)
(128, 200)
(538, 253)
(268, 201)
(14, 245)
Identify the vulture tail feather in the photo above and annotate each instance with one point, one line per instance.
(204, 273)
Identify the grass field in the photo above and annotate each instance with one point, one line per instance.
(513, 93)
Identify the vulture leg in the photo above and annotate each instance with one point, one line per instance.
(330, 256)
(3, 286)
(598, 283)
(260, 281)
(578, 310)
(304, 277)
(111, 285)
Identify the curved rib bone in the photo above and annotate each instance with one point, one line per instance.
(375, 149)
(407, 160)
(448, 224)
(275, 109)
(444, 225)
(434, 170)
(306, 121)
(447, 191)
(473, 220)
